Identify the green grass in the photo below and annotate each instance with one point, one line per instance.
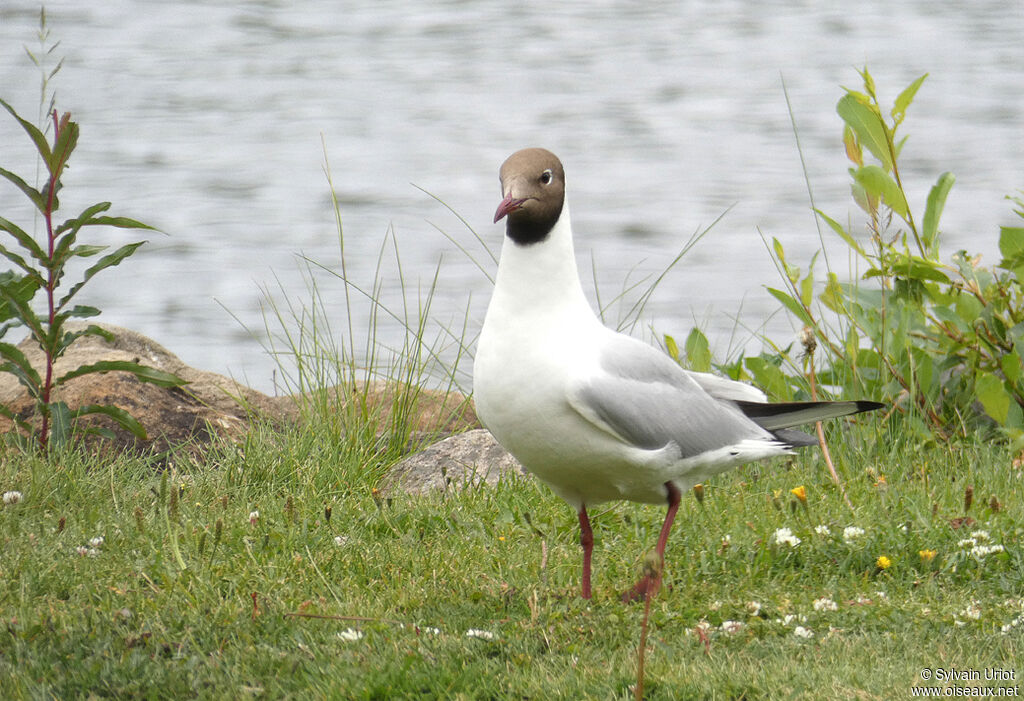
(129, 622)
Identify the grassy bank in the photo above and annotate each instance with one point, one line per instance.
(451, 596)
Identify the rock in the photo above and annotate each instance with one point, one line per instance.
(210, 406)
(463, 459)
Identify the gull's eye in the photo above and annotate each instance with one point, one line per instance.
(546, 177)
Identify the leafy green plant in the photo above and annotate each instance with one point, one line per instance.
(40, 268)
(938, 339)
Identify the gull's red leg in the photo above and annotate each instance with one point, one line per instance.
(587, 541)
(647, 583)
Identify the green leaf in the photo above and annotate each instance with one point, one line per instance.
(42, 146)
(832, 297)
(917, 268)
(1011, 245)
(1012, 367)
(17, 287)
(867, 124)
(60, 424)
(23, 239)
(697, 353)
(105, 262)
(877, 182)
(807, 289)
(933, 211)
(869, 82)
(68, 230)
(899, 146)
(868, 203)
(87, 250)
(82, 311)
(899, 109)
(69, 337)
(671, 348)
(21, 423)
(66, 142)
(122, 417)
(843, 233)
(24, 312)
(21, 263)
(33, 194)
(143, 372)
(769, 377)
(792, 305)
(121, 223)
(17, 364)
(792, 272)
(993, 396)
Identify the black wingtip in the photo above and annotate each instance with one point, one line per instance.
(866, 405)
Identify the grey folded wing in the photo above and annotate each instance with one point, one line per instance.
(642, 397)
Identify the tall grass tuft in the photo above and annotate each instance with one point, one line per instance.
(370, 386)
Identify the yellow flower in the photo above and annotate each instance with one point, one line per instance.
(698, 491)
(501, 538)
(800, 493)
(883, 563)
(926, 555)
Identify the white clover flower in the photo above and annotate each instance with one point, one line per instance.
(980, 551)
(802, 632)
(732, 627)
(703, 626)
(967, 543)
(754, 608)
(96, 542)
(851, 533)
(12, 497)
(825, 604)
(351, 635)
(92, 552)
(254, 517)
(81, 550)
(980, 535)
(341, 540)
(430, 631)
(823, 530)
(784, 536)
(973, 611)
(1012, 624)
(479, 634)
(881, 594)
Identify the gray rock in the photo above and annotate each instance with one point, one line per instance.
(458, 461)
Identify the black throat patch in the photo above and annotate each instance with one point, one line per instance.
(526, 230)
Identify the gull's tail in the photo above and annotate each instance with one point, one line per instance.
(781, 417)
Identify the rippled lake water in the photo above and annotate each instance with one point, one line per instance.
(212, 122)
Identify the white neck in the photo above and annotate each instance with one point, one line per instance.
(541, 276)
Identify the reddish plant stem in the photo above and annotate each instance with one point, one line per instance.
(51, 284)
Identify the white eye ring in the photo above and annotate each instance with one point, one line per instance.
(547, 176)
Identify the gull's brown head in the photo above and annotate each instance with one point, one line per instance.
(533, 191)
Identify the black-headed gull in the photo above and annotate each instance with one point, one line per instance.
(595, 414)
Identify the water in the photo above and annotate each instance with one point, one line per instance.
(211, 121)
